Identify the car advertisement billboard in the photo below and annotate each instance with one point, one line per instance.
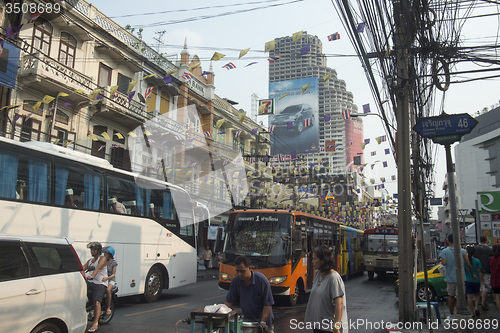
(294, 126)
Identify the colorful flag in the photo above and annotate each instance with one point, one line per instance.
(327, 117)
(293, 155)
(217, 56)
(374, 153)
(393, 177)
(383, 138)
(130, 96)
(206, 73)
(243, 52)
(187, 76)
(229, 65)
(92, 136)
(34, 17)
(366, 108)
(237, 134)
(207, 133)
(148, 92)
(242, 116)
(119, 135)
(326, 77)
(384, 163)
(282, 96)
(334, 36)
(367, 141)
(112, 91)
(269, 46)
(255, 130)
(105, 136)
(378, 139)
(273, 59)
(271, 128)
(280, 158)
(47, 99)
(190, 68)
(304, 88)
(168, 79)
(305, 49)
(387, 151)
(93, 94)
(360, 28)
(13, 31)
(252, 63)
(219, 123)
(148, 76)
(307, 122)
(131, 86)
(178, 137)
(346, 114)
(297, 36)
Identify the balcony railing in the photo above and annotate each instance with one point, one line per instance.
(40, 65)
(124, 36)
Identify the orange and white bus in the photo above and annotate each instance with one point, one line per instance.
(279, 244)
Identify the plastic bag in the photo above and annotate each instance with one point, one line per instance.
(217, 308)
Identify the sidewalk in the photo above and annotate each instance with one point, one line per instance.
(211, 274)
(488, 321)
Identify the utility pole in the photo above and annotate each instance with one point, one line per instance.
(457, 249)
(402, 41)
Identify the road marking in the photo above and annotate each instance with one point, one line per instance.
(215, 297)
(152, 310)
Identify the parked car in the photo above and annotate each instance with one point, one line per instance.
(295, 116)
(437, 285)
(42, 286)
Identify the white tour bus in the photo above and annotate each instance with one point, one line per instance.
(49, 190)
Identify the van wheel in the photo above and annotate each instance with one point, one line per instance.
(46, 328)
(154, 285)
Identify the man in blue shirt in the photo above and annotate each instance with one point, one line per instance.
(253, 292)
(447, 258)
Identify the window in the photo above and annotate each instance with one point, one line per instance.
(26, 130)
(67, 50)
(42, 36)
(99, 149)
(123, 83)
(13, 264)
(62, 136)
(52, 258)
(104, 79)
(62, 117)
(98, 129)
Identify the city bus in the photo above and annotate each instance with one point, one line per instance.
(351, 252)
(50, 190)
(279, 245)
(381, 250)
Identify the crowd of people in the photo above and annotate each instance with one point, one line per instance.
(481, 275)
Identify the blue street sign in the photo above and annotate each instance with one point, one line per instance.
(445, 125)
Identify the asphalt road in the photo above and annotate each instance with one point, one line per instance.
(367, 302)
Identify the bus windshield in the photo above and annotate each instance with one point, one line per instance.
(382, 243)
(263, 237)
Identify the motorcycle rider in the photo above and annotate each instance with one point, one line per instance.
(109, 253)
(96, 284)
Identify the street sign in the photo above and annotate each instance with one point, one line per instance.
(444, 125)
(446, 139)
(436, 201)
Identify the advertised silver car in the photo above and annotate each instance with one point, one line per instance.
(294, 117)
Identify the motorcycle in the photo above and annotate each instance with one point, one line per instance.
(103, 318)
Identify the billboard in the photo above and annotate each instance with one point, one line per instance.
(489, 215)
(295, 123)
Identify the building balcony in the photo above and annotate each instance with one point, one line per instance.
(38, 69)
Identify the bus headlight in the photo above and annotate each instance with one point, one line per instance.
(368, 263)
(225, 277)
(277, 279)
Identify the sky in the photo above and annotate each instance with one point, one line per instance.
(228, 34)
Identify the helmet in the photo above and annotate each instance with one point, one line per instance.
(95, 246)
(110, 250)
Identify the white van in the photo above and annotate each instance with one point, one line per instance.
(42, 286)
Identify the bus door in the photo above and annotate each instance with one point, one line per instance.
(310, 247)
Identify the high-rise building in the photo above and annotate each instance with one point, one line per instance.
(300, 80)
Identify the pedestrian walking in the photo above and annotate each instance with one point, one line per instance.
(484, 253)
(326, 309)
(447, 258)
(473, 285)
(207, 256)
(495, 274)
